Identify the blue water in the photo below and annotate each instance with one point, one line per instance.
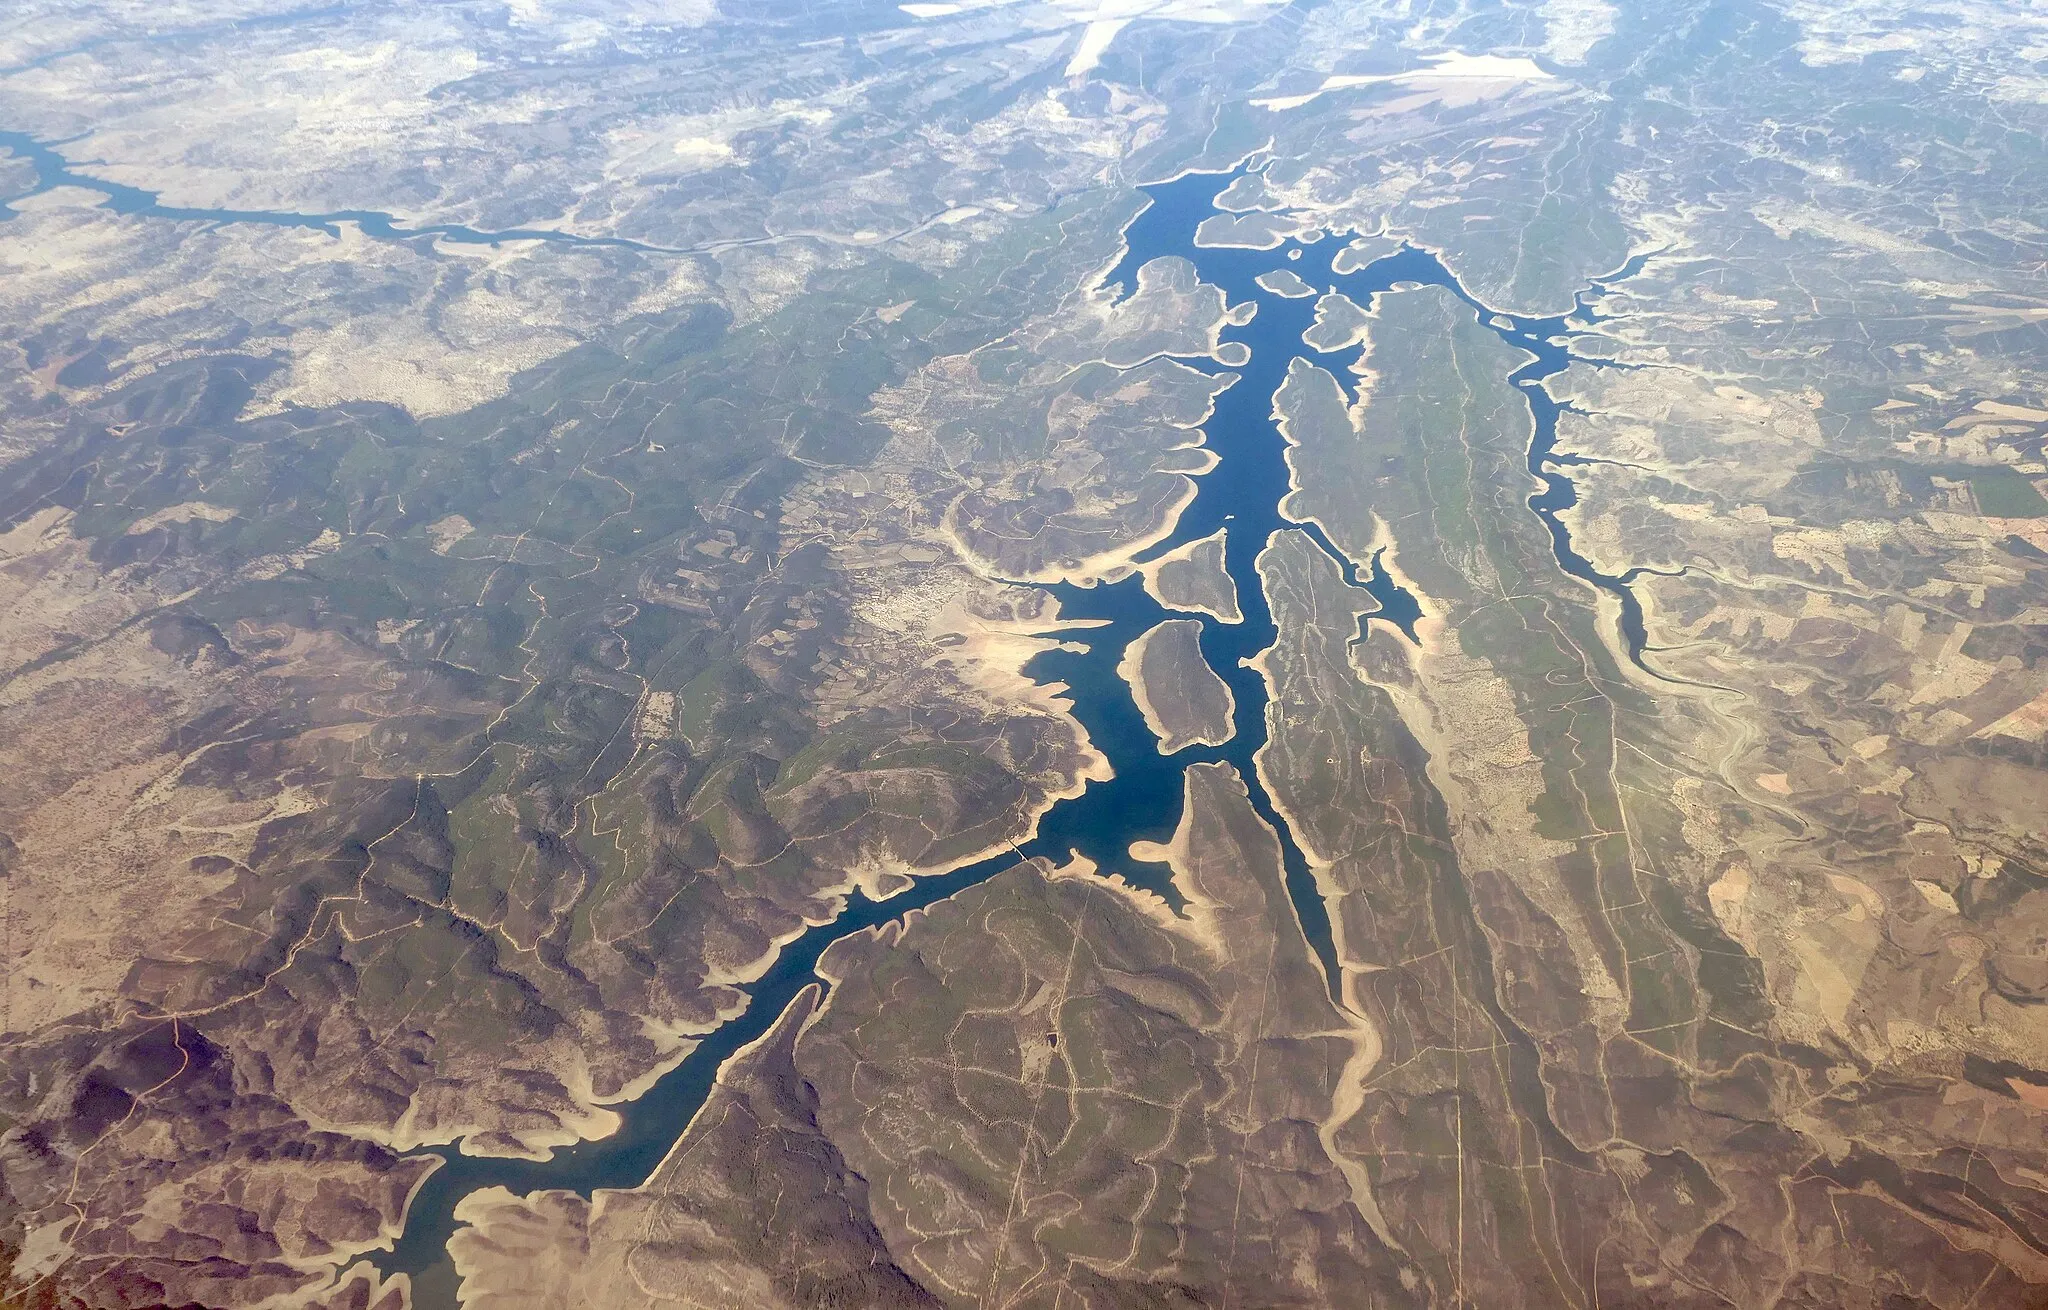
(1143, 801)
(54, 170)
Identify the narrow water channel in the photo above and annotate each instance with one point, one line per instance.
(53, 170)
(1142, 802)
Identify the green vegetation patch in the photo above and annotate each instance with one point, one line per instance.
(2007, 494)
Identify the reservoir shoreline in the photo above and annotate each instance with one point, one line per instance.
(1140, 805)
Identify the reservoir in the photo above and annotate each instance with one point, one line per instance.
(1142, 802)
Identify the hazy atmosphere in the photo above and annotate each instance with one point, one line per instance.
(1023, 654)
